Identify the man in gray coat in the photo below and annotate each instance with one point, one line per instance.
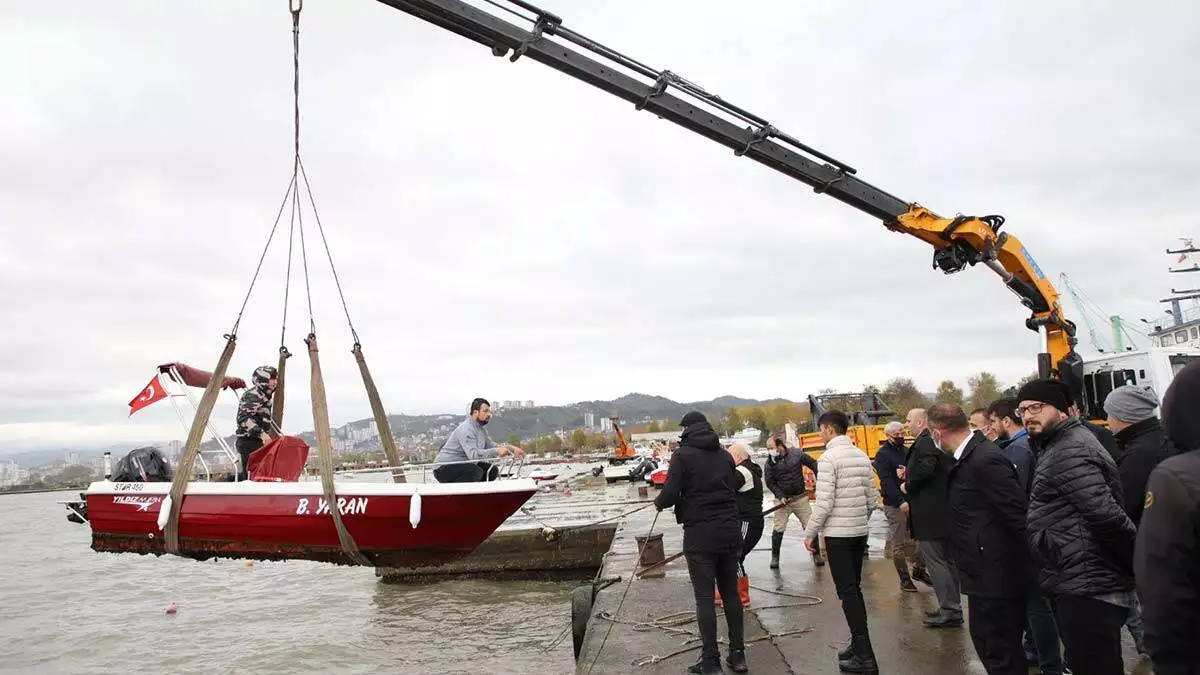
(463, 456)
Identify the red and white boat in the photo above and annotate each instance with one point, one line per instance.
(393, 524)
(279, 515)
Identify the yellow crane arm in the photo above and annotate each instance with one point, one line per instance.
(969, 240)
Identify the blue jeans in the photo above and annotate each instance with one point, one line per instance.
(1044, 632)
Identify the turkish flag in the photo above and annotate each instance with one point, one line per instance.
(153, 392)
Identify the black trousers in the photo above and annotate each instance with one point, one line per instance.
(1091, 633)
(996, 626)
(752, 530)
(704, 568)
(845, 555)
(466, 473)
(245, 446)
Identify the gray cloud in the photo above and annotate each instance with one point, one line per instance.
(504, 230)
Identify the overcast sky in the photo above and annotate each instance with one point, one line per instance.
(506, 231)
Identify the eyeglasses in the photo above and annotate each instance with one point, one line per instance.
(1031, 409)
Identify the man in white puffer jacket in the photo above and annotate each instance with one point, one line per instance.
(846, 496)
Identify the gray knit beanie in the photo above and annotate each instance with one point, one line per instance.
(1131, 403)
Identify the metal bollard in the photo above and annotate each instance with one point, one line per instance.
(652, 554)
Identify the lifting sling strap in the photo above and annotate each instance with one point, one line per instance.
(381, 420)
(325, 453)
(277, 405)
(183, 472)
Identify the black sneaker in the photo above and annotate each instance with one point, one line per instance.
(702, 668)
(737, 660)
(923, 577)
(908, 586)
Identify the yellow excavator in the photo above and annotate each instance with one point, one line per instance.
(957, 242)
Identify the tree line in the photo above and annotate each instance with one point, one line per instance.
(900, 394)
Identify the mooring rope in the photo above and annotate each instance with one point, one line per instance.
(670, 624)
(637, 561)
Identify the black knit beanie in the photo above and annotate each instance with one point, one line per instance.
(691, 418)
(1052, 392)
(1181, 409)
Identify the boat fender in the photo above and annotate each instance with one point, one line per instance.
(414, 509)
(581, 611)
(164, 512)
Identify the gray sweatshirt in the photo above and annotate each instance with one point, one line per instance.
(468, 442)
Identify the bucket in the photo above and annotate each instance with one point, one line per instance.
(652, 552)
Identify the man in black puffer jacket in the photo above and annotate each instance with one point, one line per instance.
(783, 475)
(1168, 545)
(1080, 536)
(700, 485)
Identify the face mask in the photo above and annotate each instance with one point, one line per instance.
(774, 454)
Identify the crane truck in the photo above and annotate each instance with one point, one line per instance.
(958, 242)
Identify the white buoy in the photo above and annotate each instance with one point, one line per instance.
(414, 509)
(164, 512)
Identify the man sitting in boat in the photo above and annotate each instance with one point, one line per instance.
(254, 421)
(461, 458)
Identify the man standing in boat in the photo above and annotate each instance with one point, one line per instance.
(254, 422)
(461, 458)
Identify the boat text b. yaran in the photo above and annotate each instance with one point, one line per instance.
(393, 524)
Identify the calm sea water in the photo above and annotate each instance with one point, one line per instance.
(67, 609)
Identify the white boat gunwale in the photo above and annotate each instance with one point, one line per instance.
(313, 488)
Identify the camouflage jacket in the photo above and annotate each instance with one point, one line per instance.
(254, 413)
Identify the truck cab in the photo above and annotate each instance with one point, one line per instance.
(1156, 366)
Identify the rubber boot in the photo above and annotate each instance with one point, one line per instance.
(744, 590)
(776, 544)
(862, 660)
(906, 583)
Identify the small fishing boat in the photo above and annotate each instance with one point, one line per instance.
(543, 475)
(281, 514)
(393, 524)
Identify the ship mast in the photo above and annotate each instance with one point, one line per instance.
(1185, 294)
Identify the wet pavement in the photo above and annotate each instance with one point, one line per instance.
(903, 645)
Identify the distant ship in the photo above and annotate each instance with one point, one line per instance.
(747, 436)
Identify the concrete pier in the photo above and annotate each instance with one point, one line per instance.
(903, 644)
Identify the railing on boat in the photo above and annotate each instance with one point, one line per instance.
(173, 375)
(506, 468)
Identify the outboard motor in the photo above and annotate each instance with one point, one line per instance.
(143, 465)
(639, 471)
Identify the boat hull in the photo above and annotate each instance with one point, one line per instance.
(292, 521)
